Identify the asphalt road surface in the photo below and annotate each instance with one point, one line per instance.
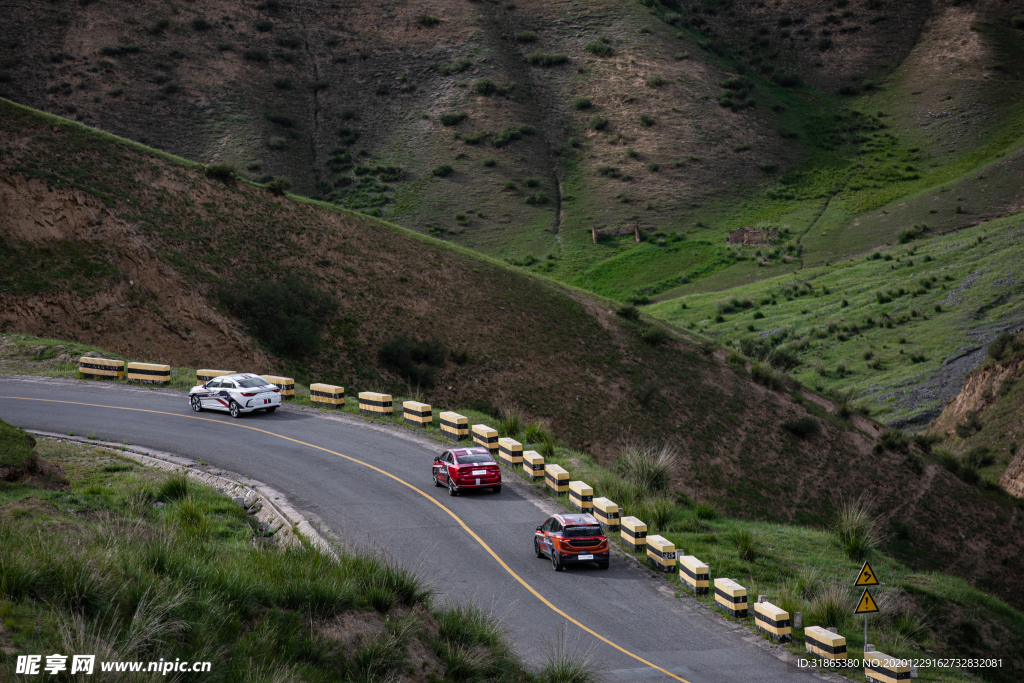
(631, 615)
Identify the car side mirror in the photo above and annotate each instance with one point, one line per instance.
(540, 528)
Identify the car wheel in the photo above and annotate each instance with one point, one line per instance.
(451, 490)
(235, 410)
(271, 409)
(536, 548)
(496, 489)
(433, 475)
(196, 404)
(555, 562)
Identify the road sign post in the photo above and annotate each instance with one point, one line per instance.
(867, 603)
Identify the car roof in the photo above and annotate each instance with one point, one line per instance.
(476, 450)
(241, 375)
(581, 519)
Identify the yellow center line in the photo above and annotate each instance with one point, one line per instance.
(403, 483)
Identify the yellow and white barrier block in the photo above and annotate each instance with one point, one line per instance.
(634, 534)
(884, 668)
(510, 452)
(533, 465)
(100, 367)
(455, 425)
(372, 403)
(417, 414)
(731, 597)
(581, 496)
(486, 437)
(148, 372)
(285, 384)
(773, 620)
(556, 479)
(694, 574)
(607, 514)
(824, 643)
(327, 395)
(661, 553)
(204, 376)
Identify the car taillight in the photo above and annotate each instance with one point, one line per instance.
(245, 394)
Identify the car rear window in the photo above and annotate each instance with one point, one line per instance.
(252, 383)
(474, 459)
(579, 531)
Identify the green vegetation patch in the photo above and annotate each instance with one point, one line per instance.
(56, 265)
(649, 269)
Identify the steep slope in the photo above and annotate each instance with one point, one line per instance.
(121, 246)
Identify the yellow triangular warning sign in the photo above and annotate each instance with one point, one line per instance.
(867, 604)
(867, 576)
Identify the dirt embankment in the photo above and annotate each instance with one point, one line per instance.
(142, 307)
(980, 392)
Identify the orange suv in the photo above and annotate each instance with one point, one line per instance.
(571, 539)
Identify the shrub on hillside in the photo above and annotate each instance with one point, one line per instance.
(222, 172)
(599, 48)
(656, 336)
(581, 103)
(258, 56)
(647, 120)
(485, 86)
(442, 171)
(428, 20)
(647, 465)
(526, 37)
(855, 530)
(279, 186)
(418, 362)
(1017, 22)
(971, 424)
(764, 374)
(629, 312)
(598, 123)
(452, 118)
(118, 50)
(787, 80)
(1002, 346)
(656, 81)
(546, 59)
(201, 24)
(263, 25)
(288, 315)
(803, 428)
(746, 544)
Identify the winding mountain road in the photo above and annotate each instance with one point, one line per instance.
(475, 547)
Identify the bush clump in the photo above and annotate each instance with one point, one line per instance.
(581, 103)
(803, 428)
(855, 530)
(599, 48)
(452, 118)
(485, 86)
(526, 37)
(598, 123)
(279, 186)
(546, 59)
(427, 20)
(648, 465)
(418, 362)
(442, 171)
(288, 315)
(222, 172)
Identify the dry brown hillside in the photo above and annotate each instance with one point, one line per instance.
(346, 98)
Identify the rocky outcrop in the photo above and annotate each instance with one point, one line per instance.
(1013, 478)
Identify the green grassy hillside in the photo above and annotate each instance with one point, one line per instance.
(900, 328)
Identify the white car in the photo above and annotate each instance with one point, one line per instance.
(237, 394)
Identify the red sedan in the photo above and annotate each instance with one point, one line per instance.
(572, 539)
(461, 469)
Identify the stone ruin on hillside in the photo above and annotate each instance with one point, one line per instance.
(631, 229)
(749, 237)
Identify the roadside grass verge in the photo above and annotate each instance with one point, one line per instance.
(99, 569)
